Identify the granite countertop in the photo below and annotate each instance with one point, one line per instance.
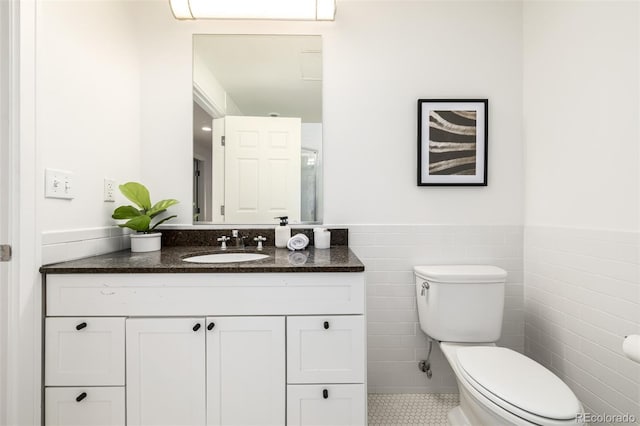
(169, 260)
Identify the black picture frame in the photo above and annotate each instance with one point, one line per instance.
(453, 142)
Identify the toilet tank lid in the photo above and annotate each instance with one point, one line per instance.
(461, 273)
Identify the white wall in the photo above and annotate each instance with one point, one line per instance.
(582, 295)
(87, 116)
(379, 58)
(395, 341)
(581, 259)
(581, 114)
(216, 95)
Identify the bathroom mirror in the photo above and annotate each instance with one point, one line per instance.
(257, 128)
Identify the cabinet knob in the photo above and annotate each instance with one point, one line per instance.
(325, 393)
(196, 327)
(80, 397)
(326, 325)
(210, 326)
(81, 326)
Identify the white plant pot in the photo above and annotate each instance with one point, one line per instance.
(141, 243)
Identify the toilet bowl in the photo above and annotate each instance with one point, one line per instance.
(499, 386)
(461, 307)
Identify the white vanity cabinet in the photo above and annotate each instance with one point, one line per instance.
(84, 370)
(246, 371)
(205, 349)
(165, 371)
(327, 405)
(325, 372)
(84, 406)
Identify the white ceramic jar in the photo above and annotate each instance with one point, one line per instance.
(321, 238)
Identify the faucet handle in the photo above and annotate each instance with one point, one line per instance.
(259, 239)
(223, 240)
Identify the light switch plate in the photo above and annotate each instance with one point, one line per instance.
(58, 184)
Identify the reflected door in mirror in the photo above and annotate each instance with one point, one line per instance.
(262, 169)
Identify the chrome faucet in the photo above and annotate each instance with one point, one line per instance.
(239, 244)
(223, 240)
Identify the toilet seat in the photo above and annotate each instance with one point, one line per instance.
(517, 384)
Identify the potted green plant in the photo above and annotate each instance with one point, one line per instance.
(139, 219)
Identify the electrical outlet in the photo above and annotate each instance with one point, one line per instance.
(58, 184)
(109, 190)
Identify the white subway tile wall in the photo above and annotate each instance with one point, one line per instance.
(582, 296)
(395, 341)
(60, 246)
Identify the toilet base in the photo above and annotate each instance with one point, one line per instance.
(456, 417)
(473, 412)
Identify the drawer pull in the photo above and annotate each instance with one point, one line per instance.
(326, 325)
(196, 327)
(210, 326)
(80, 397)
(325, 393)
(81, 326)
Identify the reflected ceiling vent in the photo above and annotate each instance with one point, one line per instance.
(302, 10)
(311, 65)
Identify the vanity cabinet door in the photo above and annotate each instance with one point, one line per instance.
(84, 352)
(324, 405)
(84, 406)
(246, 371)
(325, 349)
(165, 371)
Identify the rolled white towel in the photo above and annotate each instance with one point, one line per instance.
(298, 242)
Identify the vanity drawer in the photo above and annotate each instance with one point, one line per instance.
(89, 406)
(325, 349)
(84, 351)
(204, 294)
(335, 405)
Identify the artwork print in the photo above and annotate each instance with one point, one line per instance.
(452, 142)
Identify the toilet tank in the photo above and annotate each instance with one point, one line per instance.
(460, 303)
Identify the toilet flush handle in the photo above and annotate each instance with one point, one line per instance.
(425, 287)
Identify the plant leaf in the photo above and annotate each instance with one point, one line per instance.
(138, 223)
(125, 212)
(162, 221)
(161, 206)
(156, 213)
(137, 193)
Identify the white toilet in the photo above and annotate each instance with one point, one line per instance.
(461, 306)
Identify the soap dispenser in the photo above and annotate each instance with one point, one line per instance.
(283, 232)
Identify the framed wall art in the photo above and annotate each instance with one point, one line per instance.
(452, 142)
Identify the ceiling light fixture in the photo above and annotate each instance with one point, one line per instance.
(305, 10)
(206, 128)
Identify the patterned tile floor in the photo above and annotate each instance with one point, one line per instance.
(413, 409)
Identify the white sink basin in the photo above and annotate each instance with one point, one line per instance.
(225, 258)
